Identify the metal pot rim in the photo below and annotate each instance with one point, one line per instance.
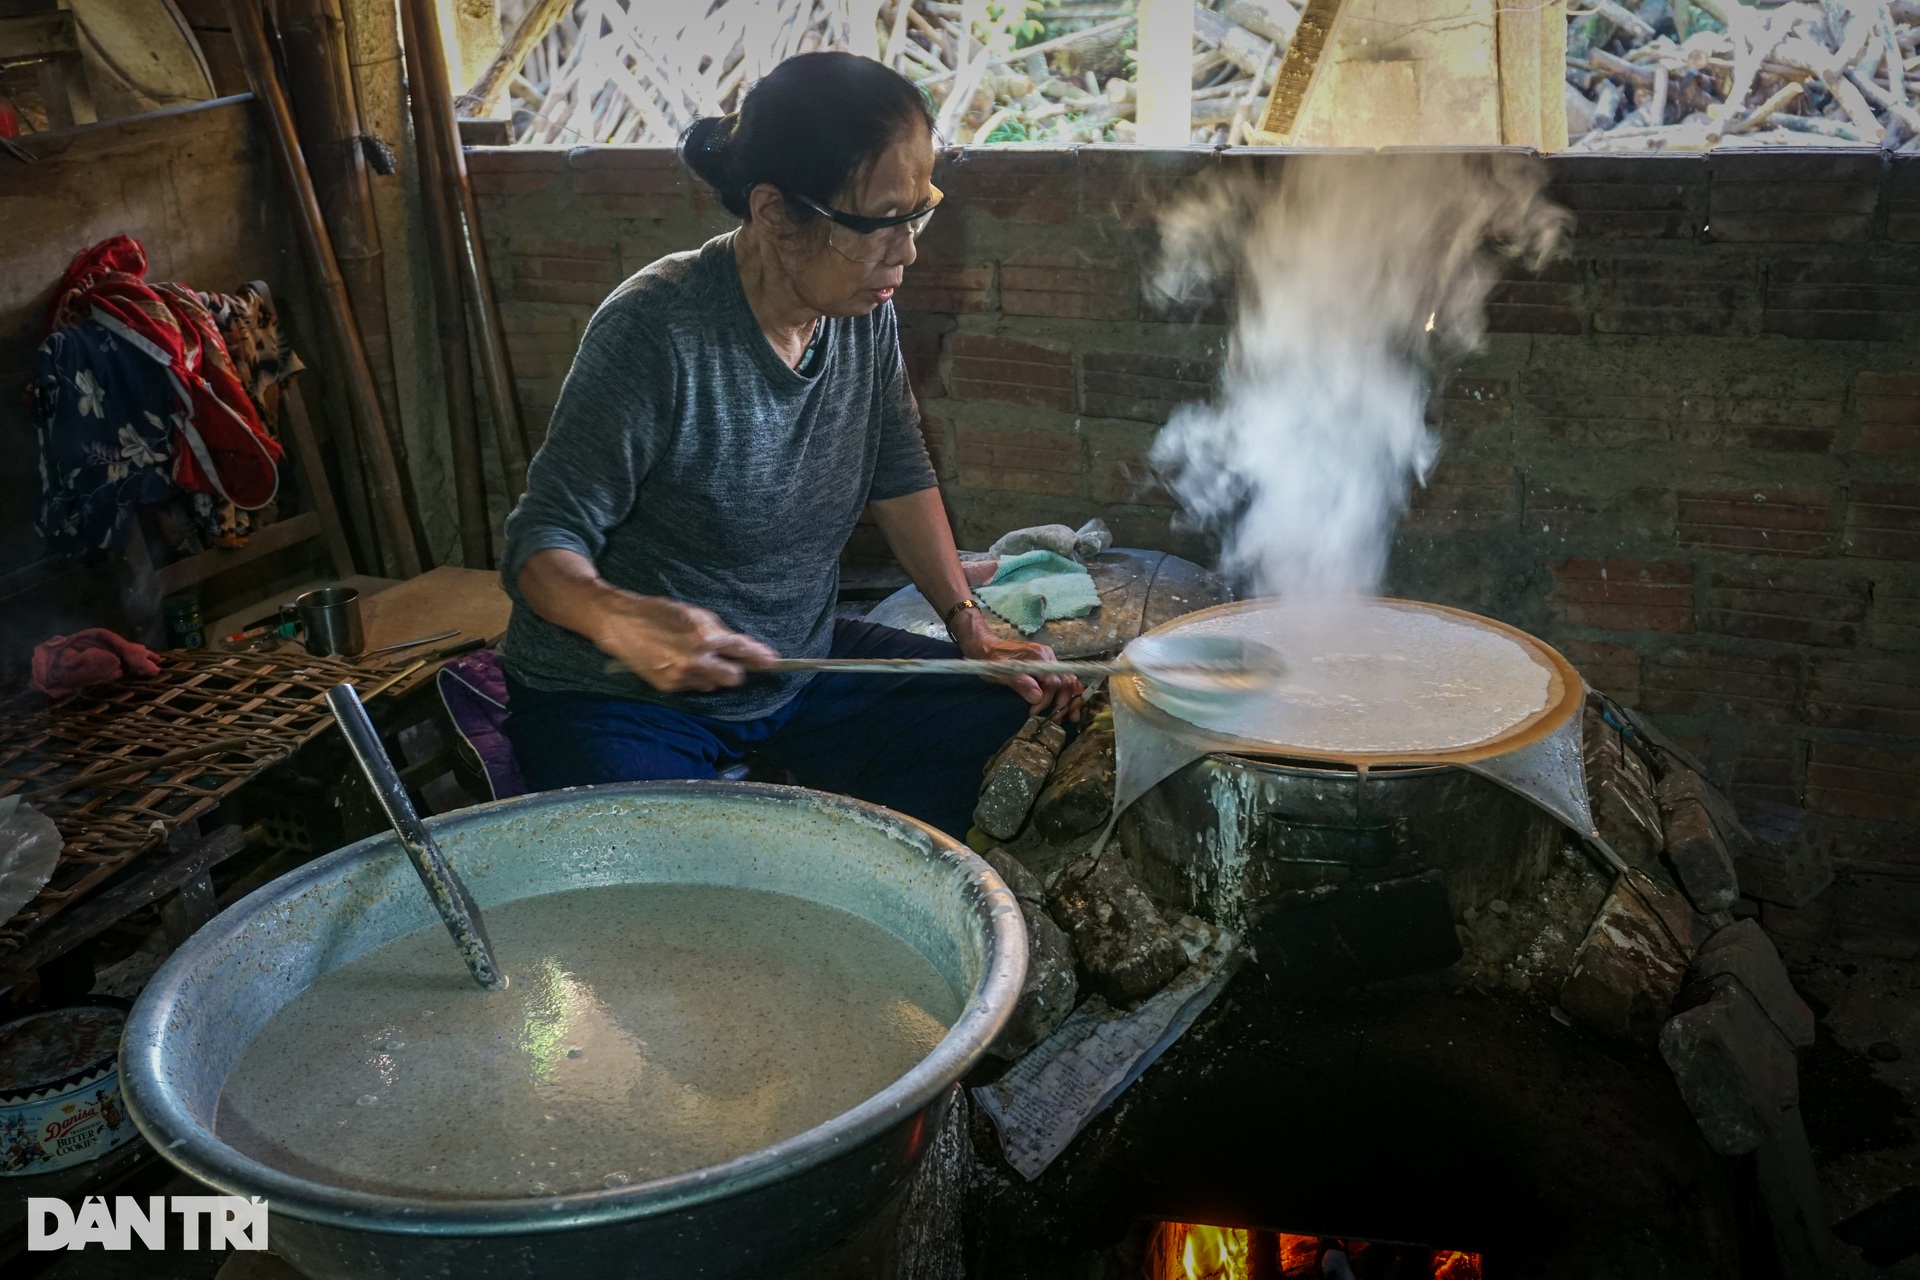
(160, 1114)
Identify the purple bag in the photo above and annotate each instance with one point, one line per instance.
(474, 687)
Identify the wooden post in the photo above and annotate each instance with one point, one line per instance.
(473, 36)
(380, 92)
(450, 319)
(313, 479)
(427, 79)
(320, 85)
(1165, 50)
(1533, 50)
(250, 35)
(1311, 39)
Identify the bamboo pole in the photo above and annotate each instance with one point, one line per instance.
(539, 19)
(450, 320)
(427, 80)
(250, 35)
(1298, 69)
(320, 86)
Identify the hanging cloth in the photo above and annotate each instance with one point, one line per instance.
(221, 446)
(265, 362)
(103, 424)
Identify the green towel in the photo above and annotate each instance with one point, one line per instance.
(1036, 586)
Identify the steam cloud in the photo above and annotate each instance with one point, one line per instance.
(1359, 278)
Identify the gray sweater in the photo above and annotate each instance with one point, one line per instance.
(687, 460)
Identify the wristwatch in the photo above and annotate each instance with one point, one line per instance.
(954, 611)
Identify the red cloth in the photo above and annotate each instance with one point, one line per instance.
(224, 448)
(68, 664)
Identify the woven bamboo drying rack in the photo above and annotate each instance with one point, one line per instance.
(205, 725)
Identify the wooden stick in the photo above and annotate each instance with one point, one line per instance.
(1759, 115)
(1908, 117)
(1614, 65)
(1896, 81)
(1625, 19)
(538, 20)
(321, 92)
(313, 474)
(450, 324)
(1854, 103)
(1299, 67)
(427, 74)
(897, 39)
(251, 38)
(1046, 46)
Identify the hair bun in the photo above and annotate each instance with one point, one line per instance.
(705, 147)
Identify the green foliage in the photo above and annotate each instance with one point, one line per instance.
(1010, 24)
(1011, 131)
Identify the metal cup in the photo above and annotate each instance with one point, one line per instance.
(331, 619)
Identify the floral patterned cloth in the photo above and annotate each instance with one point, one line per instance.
(105, 428)
(221, 448)
(264, 360)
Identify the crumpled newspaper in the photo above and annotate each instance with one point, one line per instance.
(1041, 1104)
(29, 849)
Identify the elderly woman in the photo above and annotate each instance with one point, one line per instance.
(730, 413)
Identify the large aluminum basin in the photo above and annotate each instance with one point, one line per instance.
(753, 1216)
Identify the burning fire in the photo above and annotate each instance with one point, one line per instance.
(1194, 1251)
(1191, 1251)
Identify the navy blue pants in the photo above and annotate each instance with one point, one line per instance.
(912, 743)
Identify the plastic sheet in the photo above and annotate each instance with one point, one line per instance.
(29, 850)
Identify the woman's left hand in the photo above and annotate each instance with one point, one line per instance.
(1058, 697)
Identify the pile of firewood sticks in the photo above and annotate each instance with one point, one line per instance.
(1641, 75)
(1688, 75)
(1048, 71)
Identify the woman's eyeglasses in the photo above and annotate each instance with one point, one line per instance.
(863, 239)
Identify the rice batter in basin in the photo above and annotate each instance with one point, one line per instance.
(757, 1214)
(646, 1030)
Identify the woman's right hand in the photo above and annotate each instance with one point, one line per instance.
(675, 647)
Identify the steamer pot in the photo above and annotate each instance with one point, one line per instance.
(1334, 875)
(753, 1216)
(1230, 837)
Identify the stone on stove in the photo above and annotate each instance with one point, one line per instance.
(1119, 935)
(1735, 1070)
(1743, 951)
(1048, 995)
(1631, 963)
(1620, 792)
(1015, 776)
(1680, 783)
(1781, 864)
(1694, 850)
(1079, 795)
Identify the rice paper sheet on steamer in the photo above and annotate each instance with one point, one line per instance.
(1371, 683)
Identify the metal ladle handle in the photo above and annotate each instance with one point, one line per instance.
(444, 887)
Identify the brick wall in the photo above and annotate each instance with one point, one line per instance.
(1688, 454)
